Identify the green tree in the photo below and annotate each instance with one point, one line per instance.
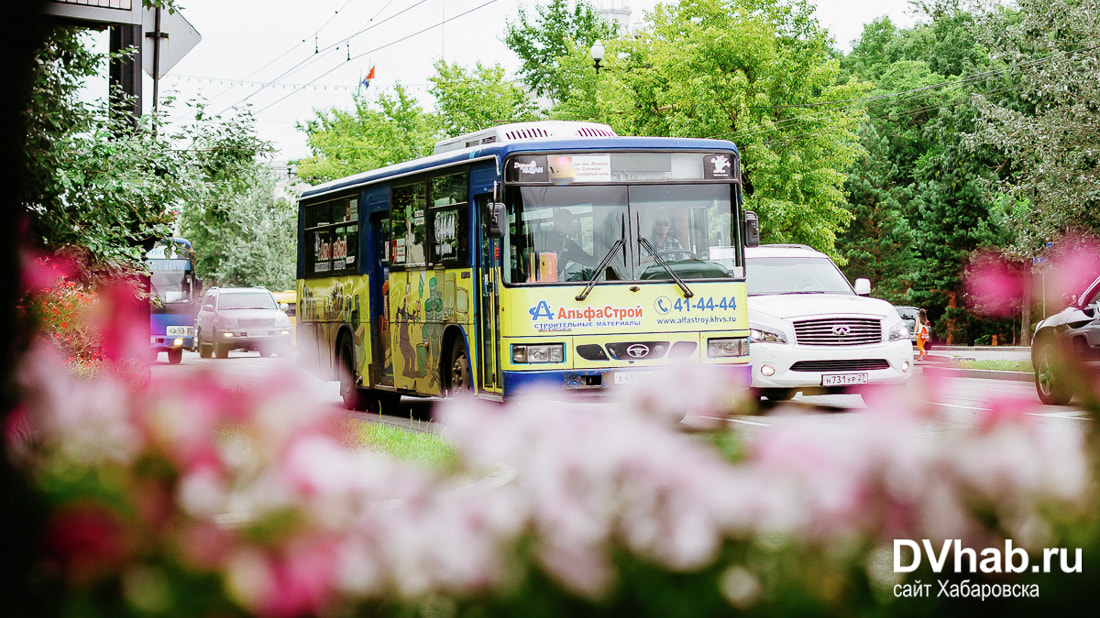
(250, 240)
(541, 42)
(925, 181)
(467, 101)
(1049, 131)
(109, 189)
(344, 143)
(760, 73)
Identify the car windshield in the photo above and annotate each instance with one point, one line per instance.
(794, 275)
(562, 233)
(246, 300)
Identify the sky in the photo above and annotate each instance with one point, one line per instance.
(288, 58)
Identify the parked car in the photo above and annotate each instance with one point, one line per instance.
(1065, 349)
(910, 315)
(241, 318)
(811, 331)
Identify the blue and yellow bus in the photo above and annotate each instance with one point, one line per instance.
(528, 255)
(174, 290)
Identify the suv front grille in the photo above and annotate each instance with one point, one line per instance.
(838, 331)
(865, 364)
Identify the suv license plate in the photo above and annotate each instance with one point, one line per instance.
(843, 379)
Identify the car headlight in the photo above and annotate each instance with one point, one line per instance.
(538, 353)
(727, 347)
(763, 335)
(900, 332)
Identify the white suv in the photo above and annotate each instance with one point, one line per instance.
(810, 331)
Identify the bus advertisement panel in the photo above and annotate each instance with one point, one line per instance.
(576, 261)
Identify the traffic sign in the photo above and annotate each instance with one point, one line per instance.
(177, 38)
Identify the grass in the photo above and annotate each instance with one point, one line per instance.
(995, 365)
(418, 447)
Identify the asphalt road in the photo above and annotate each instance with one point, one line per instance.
(961, 401)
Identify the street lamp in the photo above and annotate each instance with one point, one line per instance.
(597, 52)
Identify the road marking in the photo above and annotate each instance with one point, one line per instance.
(743, 421)
(1072, 415)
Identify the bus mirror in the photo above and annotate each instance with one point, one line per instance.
(752, 229)
(496, 220)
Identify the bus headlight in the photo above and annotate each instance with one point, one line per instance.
(177, 342)
(180, 331)
(727, 348)
(538, 353)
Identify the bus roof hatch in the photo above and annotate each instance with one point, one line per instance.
(520, 131)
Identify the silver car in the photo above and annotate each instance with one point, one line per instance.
(241, 319)
(1065, 351)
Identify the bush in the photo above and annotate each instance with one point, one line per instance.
(196, 498)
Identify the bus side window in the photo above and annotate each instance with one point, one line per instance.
(408, 218)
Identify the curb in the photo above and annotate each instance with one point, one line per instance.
(984, 374)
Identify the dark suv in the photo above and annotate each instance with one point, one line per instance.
(241, 318)
(1065, 350)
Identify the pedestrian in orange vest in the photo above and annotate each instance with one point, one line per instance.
(923, 333)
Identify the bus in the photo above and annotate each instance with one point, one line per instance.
(173, 292)
(527, 256)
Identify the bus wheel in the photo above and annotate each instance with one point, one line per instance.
(459, 382)
(354, 398)
(175, 355)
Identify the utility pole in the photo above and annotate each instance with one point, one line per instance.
(125, 72)
(157, 34)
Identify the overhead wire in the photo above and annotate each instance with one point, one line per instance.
(380, 47)
(292, 48)
(322, 51)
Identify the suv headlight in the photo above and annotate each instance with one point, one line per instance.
(763, 335)
(540, 353)
(899, 332)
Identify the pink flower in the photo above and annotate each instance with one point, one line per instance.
(89, 540)
(996, 286)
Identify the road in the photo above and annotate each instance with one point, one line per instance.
(961, 403)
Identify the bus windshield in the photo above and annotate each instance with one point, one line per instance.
(171, 281)
(562, 233)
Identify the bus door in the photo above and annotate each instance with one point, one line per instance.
(379, 259)
(488, 366)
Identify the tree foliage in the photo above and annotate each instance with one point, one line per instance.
(110, 189)
(920, 198)
(498, 100)
(1048, 132)
(248, 238)
(395, 128)
(760, 73)
(541, 42)
(371, 136)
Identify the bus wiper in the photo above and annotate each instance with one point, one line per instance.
(618, 244)
(645, 244)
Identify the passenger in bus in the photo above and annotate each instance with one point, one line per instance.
(559, 241)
